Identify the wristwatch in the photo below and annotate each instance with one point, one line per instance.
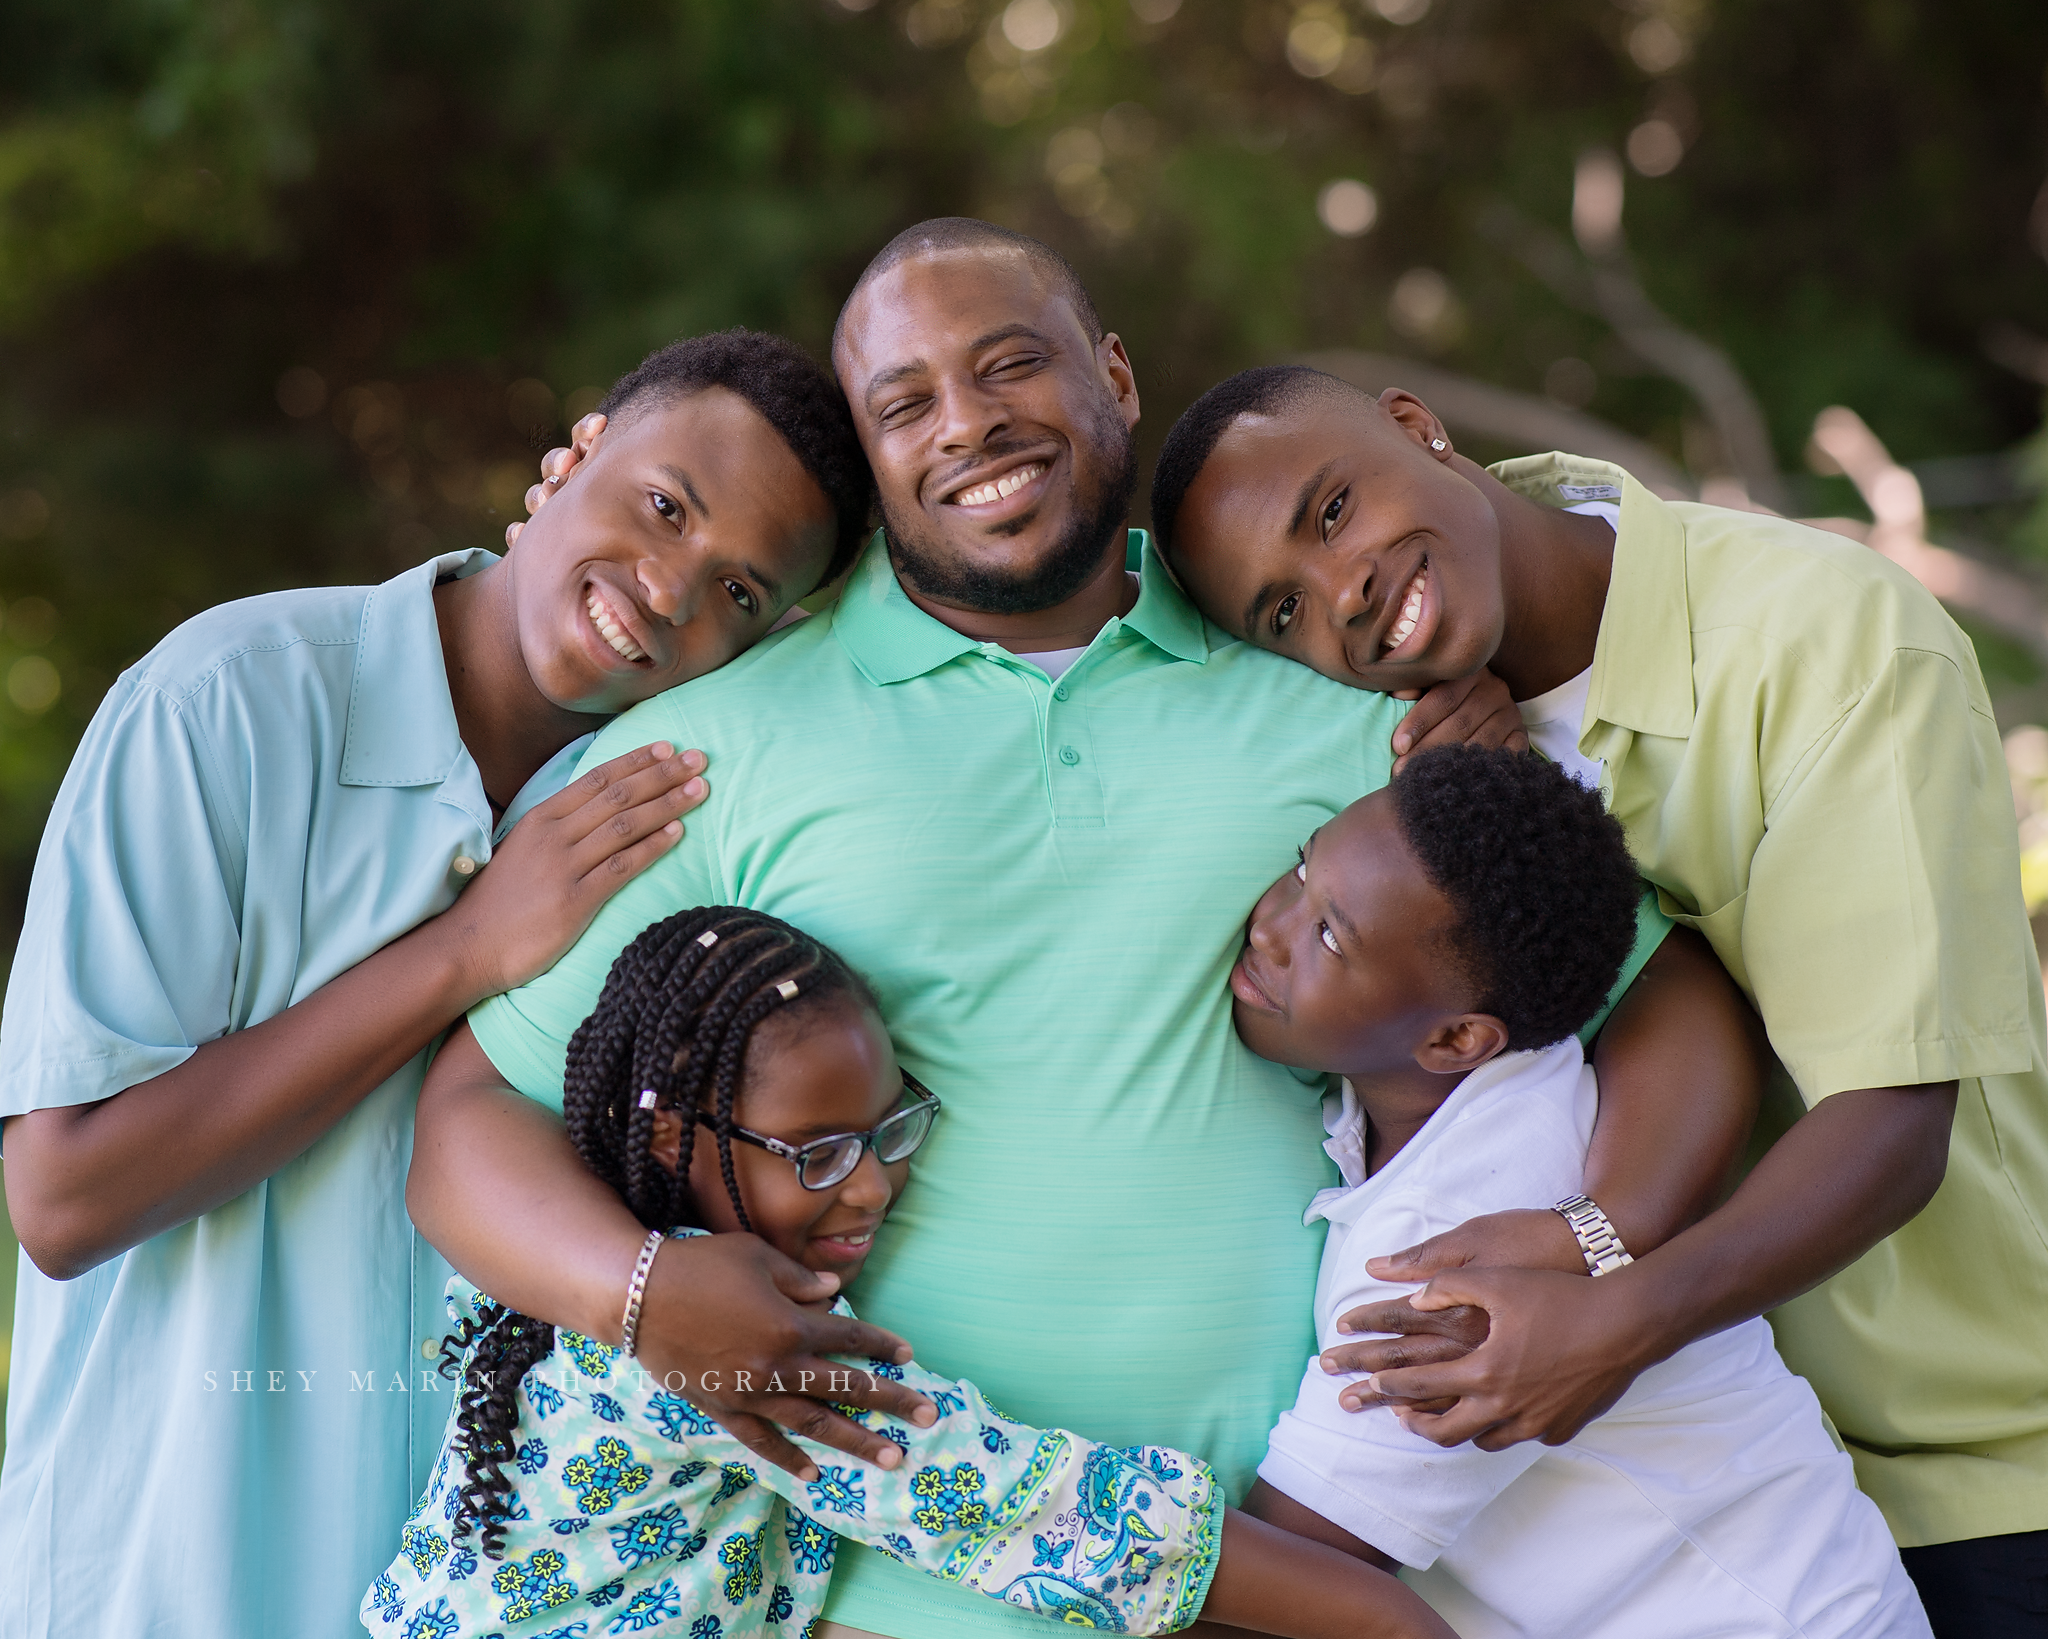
(1603, 1250)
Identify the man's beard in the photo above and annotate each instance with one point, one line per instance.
(1075, 558)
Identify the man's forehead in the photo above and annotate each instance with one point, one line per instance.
(949, 297)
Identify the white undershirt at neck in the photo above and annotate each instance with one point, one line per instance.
(1554, 718)
(1053, 661)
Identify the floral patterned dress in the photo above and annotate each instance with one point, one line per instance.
(633, 1513)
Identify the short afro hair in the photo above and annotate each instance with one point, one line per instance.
(944, 233)
(1265, 391)
(1542, 889)
(793, 394)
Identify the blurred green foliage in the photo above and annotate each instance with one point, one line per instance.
(295, 291)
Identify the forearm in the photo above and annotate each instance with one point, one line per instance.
(497, 1187)
(1681, 1067)
(1847, 1174)
(1268, 1580)
(86, 1182)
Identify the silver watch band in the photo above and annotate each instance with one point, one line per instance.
(1597, 1240)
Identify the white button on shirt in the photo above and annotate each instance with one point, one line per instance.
(1709, 1501)
(218, 1434)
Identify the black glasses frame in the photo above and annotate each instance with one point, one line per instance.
(798, 1155)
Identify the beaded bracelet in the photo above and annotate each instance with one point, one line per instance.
(636, 1292)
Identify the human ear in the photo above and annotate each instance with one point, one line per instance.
(1462, 1043)
(1115, 365)
(666, 1146)
(1413, 417)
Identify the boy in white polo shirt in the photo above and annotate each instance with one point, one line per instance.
(1437, 946)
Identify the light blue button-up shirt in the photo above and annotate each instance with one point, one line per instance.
(218, 1434)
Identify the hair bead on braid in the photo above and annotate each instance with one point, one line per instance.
(670, 1031)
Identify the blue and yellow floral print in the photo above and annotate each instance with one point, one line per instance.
(632, 1512)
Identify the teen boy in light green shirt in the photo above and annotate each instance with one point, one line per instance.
(1799, 744)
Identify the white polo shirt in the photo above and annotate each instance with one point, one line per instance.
(1709, 1501)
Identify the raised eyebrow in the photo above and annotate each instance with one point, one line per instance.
(689, 489)
(1260, 599)
(1336, 911)
(1307, 497)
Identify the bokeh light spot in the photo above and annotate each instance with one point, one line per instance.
(1656, 46)
(1033, 25)
(1402, 12)
(1347, 207)
(301, 391)
(1655, 147)
(33, 684)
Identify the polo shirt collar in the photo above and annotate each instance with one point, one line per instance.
(1642, 659)
(401, 719)
(891, 640)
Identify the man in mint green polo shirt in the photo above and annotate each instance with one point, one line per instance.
(302, 835)
(1031, 795)
(1798, 741)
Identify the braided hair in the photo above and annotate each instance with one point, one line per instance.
(674, 1019)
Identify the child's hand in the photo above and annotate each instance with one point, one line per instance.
(555, 466)
(563, 860)
(1475, 710)
(739, 1330)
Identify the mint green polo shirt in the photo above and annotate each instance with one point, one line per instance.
(1046, 884)
(218, 1433)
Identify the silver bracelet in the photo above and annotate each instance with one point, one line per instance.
(636, 1292)
(1598, 1243)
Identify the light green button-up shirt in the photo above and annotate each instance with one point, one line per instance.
(1047, 884)
(1799, 743)
(218, 1434)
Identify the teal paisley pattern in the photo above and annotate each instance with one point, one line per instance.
(635, 1513)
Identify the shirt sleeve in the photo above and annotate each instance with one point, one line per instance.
(131, 940)
(1042, 1519)
(1407, 1496)
(526, 1032)
(1883, 931)
(1651, 927)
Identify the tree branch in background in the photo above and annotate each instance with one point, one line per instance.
(1700, 367)
(1522, 421)
(1843, 443)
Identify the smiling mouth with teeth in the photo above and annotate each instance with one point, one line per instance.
(610, 630)
(1001, 489)
(1411, 611)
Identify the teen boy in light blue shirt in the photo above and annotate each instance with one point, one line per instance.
(243, 933)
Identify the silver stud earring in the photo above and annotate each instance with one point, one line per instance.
(1437, 444)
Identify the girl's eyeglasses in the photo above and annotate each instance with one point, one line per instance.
(824, 1162)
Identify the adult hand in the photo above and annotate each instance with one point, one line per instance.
(748, 1331)
(564, 859)
(1559, 1350)
(1518, 1240)
(1475, 710)
(555, 466)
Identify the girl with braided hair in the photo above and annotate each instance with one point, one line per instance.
(736, 1077)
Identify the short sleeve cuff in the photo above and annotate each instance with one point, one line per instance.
(526, 1056)
(1294, 1478)
(1908, 1064)
(42, 1084)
